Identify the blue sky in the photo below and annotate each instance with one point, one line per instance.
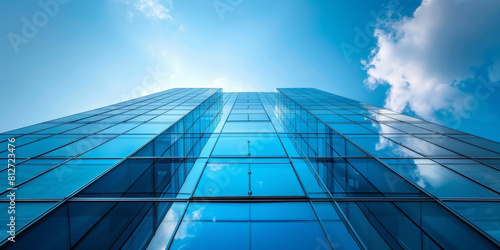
(425, 59)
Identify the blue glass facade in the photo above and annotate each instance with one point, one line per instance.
(293, 169)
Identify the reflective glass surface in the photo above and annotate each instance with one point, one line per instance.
(292, 169)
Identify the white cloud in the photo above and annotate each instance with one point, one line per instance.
(130, 17)
(425, 58)
(154, 9)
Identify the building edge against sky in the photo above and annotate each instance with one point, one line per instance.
(297, 168)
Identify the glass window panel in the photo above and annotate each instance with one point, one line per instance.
(142, 118)
(258, 117)
(248, 127)
(274, 180)
(148, 128)
(332, 118)
(167, 226)
(334, 227)
(350, 129)
(203, 211)
(282, 211)
(248, 145)
(90, 128)
(29, 169)
(382, 128)
(31, 129)
(238, 117)
(485, 215)
(437, 128)
(248, 111)
(117, 118)
(42, 146)
(441, 181)
(119, 128)
(59, 129)
(166, 118)
(459, 146)
(408, 128)
(403, 118)
(288, 235)
(357, 118)
(224, 180)
(25, 213)
(211, 229)
(118, 147)
(485, 143)
(63, 180)
(78, 147)
(422, 147)
(380, 146)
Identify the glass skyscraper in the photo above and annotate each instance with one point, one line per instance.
(291, 169)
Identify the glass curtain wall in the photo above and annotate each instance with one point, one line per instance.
(292, 169)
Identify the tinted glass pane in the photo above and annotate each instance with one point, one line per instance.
(224, 180)
(274, 180)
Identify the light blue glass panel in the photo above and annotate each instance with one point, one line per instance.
(31, 129)
(214, 226)
(460, 147)
(380, 128)
(258, 117)
(248, 145)
(248, 111)
(25, 213)
(19, 141)
(90, 128)
(79, 146)
(141, 118)
(59, 129)
(334, 227)
(357, 118)
(282, 211)
(42, 146)
(203, 211)
(167, 226)
(309, 179)
(408, 128)
(350, 129)
(28, 170)
(380, 146)
(167, 118)
(224, 180)
(248, 127)
(485, 143)
(238, 117)
(212, 235)
(266, 145)
(63, 180)
(119, 147)
(119, 128)
(441, 181)
(422, 147)
(288, 235)
(333, 119)
(148, 128)
(274, 180)
(481, 173)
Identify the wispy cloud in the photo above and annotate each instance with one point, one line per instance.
(155, 9)
(428, 59)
